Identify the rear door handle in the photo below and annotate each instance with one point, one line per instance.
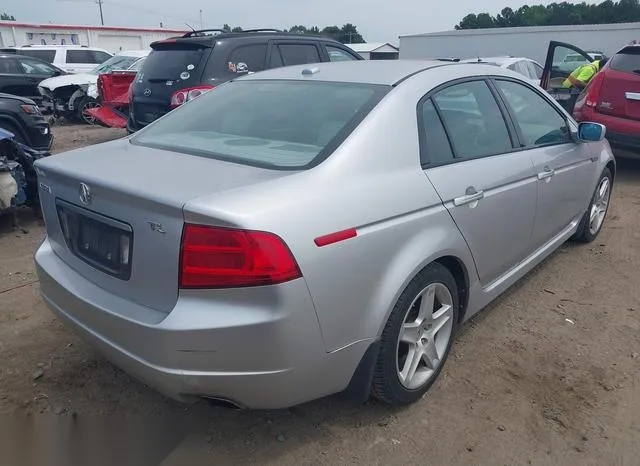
(546, 174)
(468, 198)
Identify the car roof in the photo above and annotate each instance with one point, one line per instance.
(249, 34)
(380, 72)
(17, 55)
(71, 46)
(499, 61)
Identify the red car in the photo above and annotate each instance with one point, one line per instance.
(611, 98)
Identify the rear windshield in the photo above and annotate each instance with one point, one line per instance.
(46, 55)
(175, 63)
(273, 124)
(627, 60)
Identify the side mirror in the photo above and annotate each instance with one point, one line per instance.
(591, 132)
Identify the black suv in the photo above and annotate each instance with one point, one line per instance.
(182, 68)
(22, 117)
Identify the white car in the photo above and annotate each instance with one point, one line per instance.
(71, 58)
(73, 94)
(530, 69)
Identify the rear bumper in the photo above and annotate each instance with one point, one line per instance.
(622, 133)
(258, 354)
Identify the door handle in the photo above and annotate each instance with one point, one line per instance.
(546, 174)
(468, 198)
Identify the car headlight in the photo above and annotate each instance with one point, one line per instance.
(92, 90)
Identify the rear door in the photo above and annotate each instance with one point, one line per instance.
(620, 90)
(561, 60)
(488, 186)
(289, 53)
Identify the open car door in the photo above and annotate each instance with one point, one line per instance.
(561, 60)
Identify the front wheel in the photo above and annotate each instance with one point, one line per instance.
(86, 104)
(417, 337)
(593, 219)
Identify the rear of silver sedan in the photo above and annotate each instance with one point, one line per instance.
(146, 258)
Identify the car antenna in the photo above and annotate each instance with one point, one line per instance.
(190, 27)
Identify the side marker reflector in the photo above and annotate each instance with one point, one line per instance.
(335, 237)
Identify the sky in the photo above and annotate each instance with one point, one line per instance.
(378, 21)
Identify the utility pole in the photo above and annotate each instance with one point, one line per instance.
(99, 2)
(201, 26)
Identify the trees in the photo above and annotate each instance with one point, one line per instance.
(7, 17)
(347, 34)
(609, 11)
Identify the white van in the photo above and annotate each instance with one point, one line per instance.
(71, 58)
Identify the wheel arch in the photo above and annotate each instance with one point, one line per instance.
(461, 275)
(15, 124)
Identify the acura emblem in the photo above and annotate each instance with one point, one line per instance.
(85, 194)
(147, 92)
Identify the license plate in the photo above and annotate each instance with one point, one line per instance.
(100, 241)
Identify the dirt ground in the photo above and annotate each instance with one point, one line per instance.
(548, 374)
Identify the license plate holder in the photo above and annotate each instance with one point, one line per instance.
(102, 242)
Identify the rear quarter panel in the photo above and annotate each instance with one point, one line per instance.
(373, 182)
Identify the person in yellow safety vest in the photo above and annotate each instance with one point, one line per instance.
(581, 76)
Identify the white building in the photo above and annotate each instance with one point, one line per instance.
(112, 39)
(375, 51)
(531, 42)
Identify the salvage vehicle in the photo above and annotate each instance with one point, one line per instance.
(18, 179)
(612, 98)
(71, 58)
(72, 95)
(317, 228)
(20, 75)
(183, 68)
(22, 117)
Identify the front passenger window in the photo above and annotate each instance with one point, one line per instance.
(540, 123)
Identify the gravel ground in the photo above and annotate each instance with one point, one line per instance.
(548, 374)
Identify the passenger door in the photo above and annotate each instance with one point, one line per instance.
(13, 80)
(470, 155)
(563, 167)
(288, 53)
(34, 71)
(558, 65)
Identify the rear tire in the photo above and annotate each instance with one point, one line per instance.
(593, 219)
(417, 338)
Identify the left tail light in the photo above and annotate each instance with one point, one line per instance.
(214, 257)
(185, 95)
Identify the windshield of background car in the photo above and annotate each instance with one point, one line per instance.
(273, 124)
(119, 62)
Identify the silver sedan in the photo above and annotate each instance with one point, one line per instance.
(314, 229)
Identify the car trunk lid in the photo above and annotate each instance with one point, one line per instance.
(620, 91)
(114, 213)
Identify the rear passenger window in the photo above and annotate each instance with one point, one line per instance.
(473, 120)
(627, 60)
(46, 55)
(540, 124)
(248, 58)
(87, 56)
(436, 148)
(336, 54)
(80, 56)
(299, 54)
